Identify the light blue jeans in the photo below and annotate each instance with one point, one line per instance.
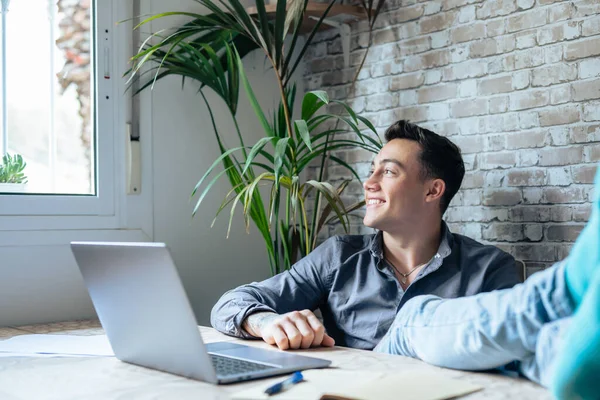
(488, 330)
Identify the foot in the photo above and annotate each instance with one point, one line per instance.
(578, 361)
(584, 258)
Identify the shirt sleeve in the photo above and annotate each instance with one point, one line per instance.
(501, 274)
(302, 287)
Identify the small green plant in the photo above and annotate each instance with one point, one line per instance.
(11, 169)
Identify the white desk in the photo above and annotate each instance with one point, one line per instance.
(108, 378)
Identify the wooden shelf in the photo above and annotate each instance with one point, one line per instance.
(338, 12)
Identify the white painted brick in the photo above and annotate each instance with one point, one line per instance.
(534, 233)
(408, 97)
(529, 58)
(432, 7)
(491, 9)
(587, 7)
(469, 161)
(525, 4)
(468, 88)
(386, 118)
(560, 95)
(560, 176)
(501, 64)
(526, 40)
(390, 51)
(358, 104)
(589, 68)
(560, 12)
(469, 69)
(529, 99)
(495, 178)
(498, 104)
(433, 76)
(591, 111)
(526, 20)
(466, 14)
(586, 90)
(397, 67)
(472, 197)
(567, 31)
(495, 142)
(381, 69)
(559, 135)
(381, 101)
(497, 160)
(533, 195)
(528, 158)
(469, 144)
(528, 120)
(439, 39)
(526, 139)
(520, 80)
(459, 54)
(582, 48)
(591, 26)
(554, 74)
(553, 54)
(501, 123)
(363, 74)
(438, 111)
(572, 30)
(409, 30)
(471, 126)
(496, 27)
(469, 107)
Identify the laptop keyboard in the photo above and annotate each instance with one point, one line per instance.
(233, 366)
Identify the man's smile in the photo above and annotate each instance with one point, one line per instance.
(374, 202)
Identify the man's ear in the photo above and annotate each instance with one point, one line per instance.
(435, 190)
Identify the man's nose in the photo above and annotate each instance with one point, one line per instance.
(371, 183)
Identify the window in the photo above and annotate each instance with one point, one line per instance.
(61, 105)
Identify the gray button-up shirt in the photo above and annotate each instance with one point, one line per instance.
(348, 278)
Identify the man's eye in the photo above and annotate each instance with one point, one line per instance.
(371, 172)
(388, 172)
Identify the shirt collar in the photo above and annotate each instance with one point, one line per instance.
(444, 249)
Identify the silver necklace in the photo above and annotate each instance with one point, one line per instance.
(404, 275)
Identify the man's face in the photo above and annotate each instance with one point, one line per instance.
(395, 192)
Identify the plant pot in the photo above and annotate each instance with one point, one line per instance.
(13, 188)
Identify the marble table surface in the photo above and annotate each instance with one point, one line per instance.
(25, 378)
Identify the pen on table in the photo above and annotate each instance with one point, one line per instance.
(283, 385)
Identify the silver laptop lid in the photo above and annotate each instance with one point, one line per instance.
(142, 306)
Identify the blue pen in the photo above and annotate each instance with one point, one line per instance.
(283, 385)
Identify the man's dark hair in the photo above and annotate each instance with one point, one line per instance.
(440, 158)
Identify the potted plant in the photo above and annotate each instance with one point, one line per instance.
(209, 49)
(12, 177)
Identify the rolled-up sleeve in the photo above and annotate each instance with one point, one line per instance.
(304, 286)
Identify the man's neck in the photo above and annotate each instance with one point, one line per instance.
(409, 250)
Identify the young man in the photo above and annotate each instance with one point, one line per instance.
(360, 282)
(550, 324)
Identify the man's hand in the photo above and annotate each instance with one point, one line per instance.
(294, 330)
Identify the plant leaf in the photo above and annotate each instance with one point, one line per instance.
(302, 130)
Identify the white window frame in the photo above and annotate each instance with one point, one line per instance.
(105, 210)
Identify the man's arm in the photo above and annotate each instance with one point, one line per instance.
(303, 287)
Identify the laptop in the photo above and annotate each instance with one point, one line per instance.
(143, 308)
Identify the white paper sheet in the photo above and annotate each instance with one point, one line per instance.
(55, 346)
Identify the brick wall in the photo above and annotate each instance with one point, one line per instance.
(514, 83)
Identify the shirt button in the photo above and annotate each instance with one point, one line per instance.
(437, 256)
